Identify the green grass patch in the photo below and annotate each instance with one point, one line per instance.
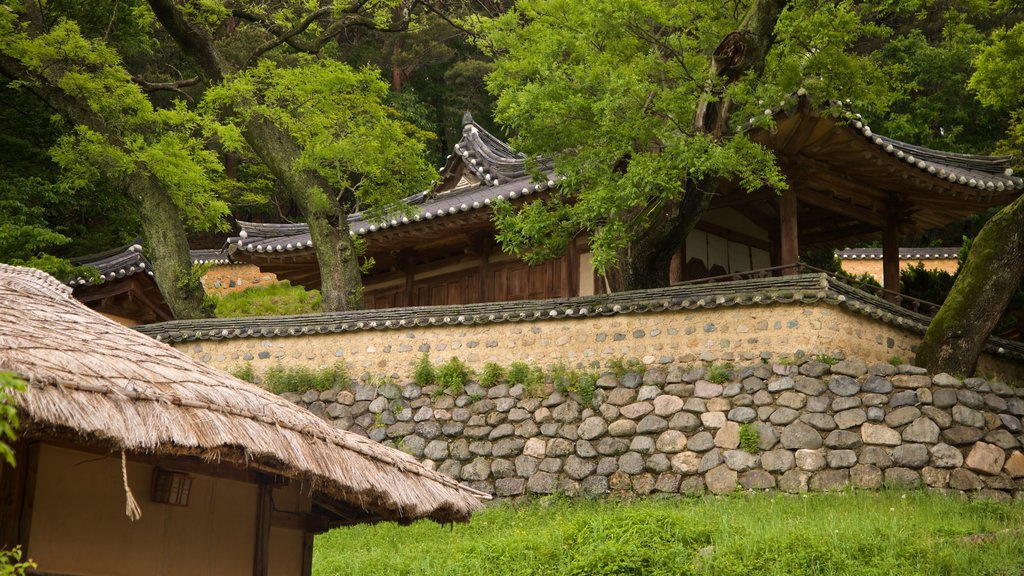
(278, 299)
(916, 533)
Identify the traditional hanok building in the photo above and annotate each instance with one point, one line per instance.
(134, 459)
(847, 184)
(125, 290)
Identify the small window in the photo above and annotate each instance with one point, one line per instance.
(171, 487)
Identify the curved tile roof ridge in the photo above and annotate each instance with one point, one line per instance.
(806, 288)
(112, 264)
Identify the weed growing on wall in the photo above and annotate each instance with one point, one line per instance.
(621, 367)
(424, 374)
(895, 360)
(750, 437)
(452, 376)
(719, 373)
(826, 359)
(491, 374)
(280, 379)
(567, 381)
(244, 372)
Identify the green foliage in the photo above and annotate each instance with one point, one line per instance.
(244, 372)
(424, 373)
(532, 379)
(621, 367)
(491, 374)
(625, 79)
(750, 436)
(452, 375)
(895, 360)
(339, 117)
(719, 373)
(566, 381)
(855, 534)
(279, 379)
(924, 284)
(10, 384)
(278, 299)
(826, 359)
(11, 564)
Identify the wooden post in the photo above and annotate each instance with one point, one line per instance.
(264, 507)
(307, 553)
(789, 243)
(891, 257)
(13, 491)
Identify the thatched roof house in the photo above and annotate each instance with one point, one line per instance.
(229, 478)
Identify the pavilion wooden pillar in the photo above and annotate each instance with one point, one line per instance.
(891, 257)
(789, 243)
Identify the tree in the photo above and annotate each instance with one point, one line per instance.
(641, 104)
(287, 134)
(116, 139)
(995, 264)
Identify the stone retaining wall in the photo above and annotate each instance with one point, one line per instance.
(670, 430)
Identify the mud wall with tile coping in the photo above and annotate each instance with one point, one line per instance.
(670, 430)
(723, 334)
(223, 279)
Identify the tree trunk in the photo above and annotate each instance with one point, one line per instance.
(163, 227)
(167, 248)
(645, 261)
(991, 274)
(341, 285)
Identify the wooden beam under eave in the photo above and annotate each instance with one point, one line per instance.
(789, 243)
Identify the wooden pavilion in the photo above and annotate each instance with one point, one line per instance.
(847, 184)
(134, 459)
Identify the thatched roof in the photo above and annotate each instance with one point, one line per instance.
(95, 382)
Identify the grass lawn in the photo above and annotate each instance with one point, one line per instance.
(278, 299)
(756, 534)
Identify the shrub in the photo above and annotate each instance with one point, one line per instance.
(452, 375)
(750, 437)
(424, 374)
(895, 360)
(491, 374)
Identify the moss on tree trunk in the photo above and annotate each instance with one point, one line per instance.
(994, 266)
(167, 249)
(341, 285)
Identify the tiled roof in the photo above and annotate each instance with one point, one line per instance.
(210, 256)
(992, 173)
(807, 289)
(944, 253)
(119, 262)
(502, 173)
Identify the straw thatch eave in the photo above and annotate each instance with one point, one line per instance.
(111, 386)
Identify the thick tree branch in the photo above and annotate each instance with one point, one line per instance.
(176, 87)
(193, 40)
